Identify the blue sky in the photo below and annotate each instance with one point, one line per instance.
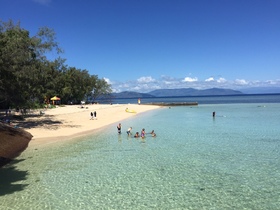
(142, 45)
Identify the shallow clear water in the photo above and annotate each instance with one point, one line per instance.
(195, 162)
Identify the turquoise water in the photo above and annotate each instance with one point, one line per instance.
(195, 162)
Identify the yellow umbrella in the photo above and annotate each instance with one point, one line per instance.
(55, 98)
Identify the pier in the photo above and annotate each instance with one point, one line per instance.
(174, 103)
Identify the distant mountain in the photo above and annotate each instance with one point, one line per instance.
(261, 90)
(176, 92)
(193, 92)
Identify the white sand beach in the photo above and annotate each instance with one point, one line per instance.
(67, 122)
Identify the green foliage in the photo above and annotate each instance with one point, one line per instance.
(28, 78)
(100, 87)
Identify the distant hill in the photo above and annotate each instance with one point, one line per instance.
(261, 90)
(193, 92)
(176, 92)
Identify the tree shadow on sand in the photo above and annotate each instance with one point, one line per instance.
(9, 174)
(34, 121)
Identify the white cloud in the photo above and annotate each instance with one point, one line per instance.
(221, 80)
(210, 79)
(168, 82)
(167, 78)
(116, 90)
(107, 80)
(241, 82)
(271, 82)
(189, 79)
(137, 88)
(145, 79)
(147, 84)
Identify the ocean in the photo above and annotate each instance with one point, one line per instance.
(225, 99)
(196, 161)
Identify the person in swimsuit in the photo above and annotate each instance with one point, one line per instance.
(143, 133)
(129, 131)
(153, 133)
(119, 128)
(136, 135)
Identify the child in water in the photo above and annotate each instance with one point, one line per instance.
(136, 135)
(129, 131)
(153, 133)
(143, 133)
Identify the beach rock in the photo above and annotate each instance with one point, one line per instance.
(13, 141)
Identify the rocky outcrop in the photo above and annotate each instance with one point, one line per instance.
(13, 141)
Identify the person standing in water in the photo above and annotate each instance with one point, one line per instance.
(129, 131)
(136, 135)
(119, 128)
(143, 133)
(153, 133)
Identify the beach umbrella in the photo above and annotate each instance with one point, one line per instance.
(55, 98)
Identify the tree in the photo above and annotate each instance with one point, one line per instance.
(22, 60)
(100, 87)
(27, 77)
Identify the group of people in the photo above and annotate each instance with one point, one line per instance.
(142, 134)
(93, 115)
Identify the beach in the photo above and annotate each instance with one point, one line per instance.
(70, 121)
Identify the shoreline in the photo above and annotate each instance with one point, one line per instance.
(69, 122)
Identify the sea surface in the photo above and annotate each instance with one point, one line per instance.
(225, 99)
(231, 161)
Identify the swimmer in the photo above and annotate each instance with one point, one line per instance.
(153, 133)
(129, 131)
(136, 135)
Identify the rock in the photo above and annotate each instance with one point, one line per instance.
(13, 141)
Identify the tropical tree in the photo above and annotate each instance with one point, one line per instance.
(22, 61)
(100, 88)
(27, 77)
